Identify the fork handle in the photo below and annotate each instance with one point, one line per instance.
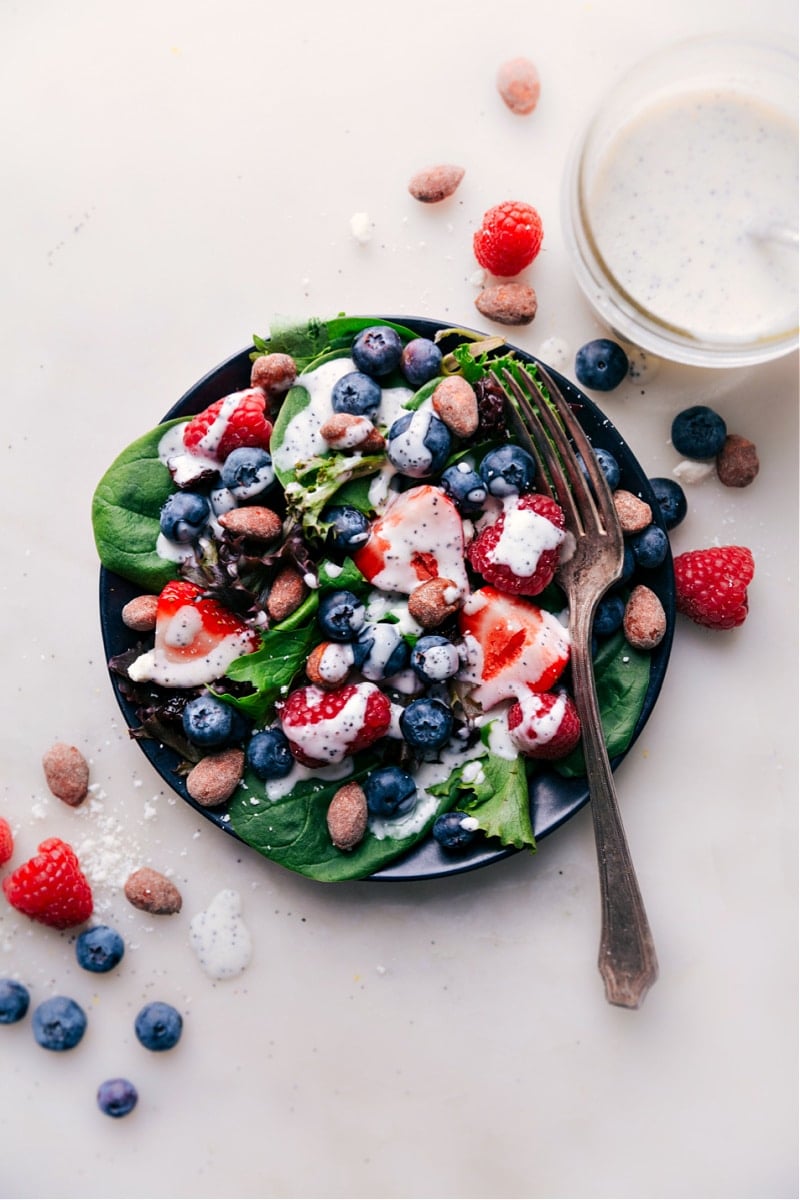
(627, 958)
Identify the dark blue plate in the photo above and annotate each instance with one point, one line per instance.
(553, 799)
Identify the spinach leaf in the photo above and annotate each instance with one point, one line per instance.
(271, 668)
(307, 341)
(622, 675)
(292, 829)
(125, 513)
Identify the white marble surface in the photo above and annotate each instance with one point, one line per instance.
(175, 174)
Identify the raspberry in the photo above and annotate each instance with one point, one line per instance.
(234, 421)
(50, 887)
(515, 536)
(711, 585)
(6, 841)
(324, 727)
(509, 238)
(544, 725)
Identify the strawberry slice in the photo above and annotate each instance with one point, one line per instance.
(513, 647)
(235, 420)
(419, 537)
(324, 727)
(196, 639)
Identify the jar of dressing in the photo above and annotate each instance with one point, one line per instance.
(680, 204)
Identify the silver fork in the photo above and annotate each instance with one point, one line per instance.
(627, 958)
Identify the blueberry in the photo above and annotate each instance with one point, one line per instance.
(116, 1097)
(390, 792)
(650, 546)
(671, 500)
(356, 393)
(14, 1001)
(209, 722)
(184, 516)
(608, 615)
(268, 754)
(158, 1026)
(698, 432)
(349, 527)
(628, 565)
(465, 488)
(420, 361)
(387, 654)
(426, 724)
(607, 464)
(99, 949)
(377, 351)
(418, 444)
(434, 658)
(341, 615)
(58, 1023)
(455, 831)
(508, 471)
(601, 365)
(247, 472)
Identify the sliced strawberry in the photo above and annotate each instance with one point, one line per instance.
(323, 727)
(419, 537)
(196, 639)
(235, 420)
(50, 887)
(519, 552)
(544, 725)
(513, 647)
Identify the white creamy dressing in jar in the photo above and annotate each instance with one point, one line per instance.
(689, 210)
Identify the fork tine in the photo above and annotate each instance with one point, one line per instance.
(524, 434)
(602, 499)
(540, 445)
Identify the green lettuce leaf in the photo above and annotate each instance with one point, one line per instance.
(496, 795)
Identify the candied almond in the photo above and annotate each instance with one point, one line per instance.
(347, 816)
(140, 613)
(214, 779)
(508, 303)
(519, 85)
(433, 601)
(152, 892)
(287, 593)
(275, 373)
(350, 431)
(433, 184)
(634, 514)
(737, 461)
(327, 665)
(253, 521)
(67, 773)
(454, 402)
(645, 621)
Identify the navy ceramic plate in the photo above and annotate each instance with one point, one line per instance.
(553, 799)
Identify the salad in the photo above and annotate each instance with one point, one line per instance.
(343, 617)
